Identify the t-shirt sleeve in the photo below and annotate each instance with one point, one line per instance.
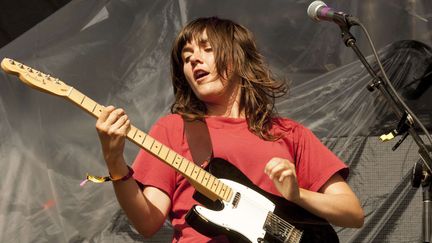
(149, 170)
(315, 163)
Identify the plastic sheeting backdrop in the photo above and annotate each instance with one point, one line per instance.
(117, 53)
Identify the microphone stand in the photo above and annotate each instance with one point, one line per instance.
(421, 172)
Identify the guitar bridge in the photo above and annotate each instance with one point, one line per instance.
(282, 230)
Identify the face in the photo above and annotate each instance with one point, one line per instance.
(199, 68)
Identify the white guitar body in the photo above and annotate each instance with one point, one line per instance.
(246, 216)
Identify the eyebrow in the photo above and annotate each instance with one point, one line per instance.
(186, 48)
(202, 42)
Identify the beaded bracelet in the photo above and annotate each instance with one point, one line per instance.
(101, 179)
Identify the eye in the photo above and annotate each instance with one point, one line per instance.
(186, 59)
(208, 49)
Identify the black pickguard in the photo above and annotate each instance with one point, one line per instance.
(315, 229)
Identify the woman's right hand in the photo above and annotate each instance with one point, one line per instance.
(112, 127)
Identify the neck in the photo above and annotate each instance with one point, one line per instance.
(229, 108)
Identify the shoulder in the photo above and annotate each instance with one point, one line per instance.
(169, 130)
(170, 121)
(169, 126)
(287, 125)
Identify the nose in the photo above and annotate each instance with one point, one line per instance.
(196, 57)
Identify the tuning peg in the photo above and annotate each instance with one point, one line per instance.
(11, 61)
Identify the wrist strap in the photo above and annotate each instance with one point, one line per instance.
(101, 179)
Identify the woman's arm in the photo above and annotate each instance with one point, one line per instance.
(335, 201)
(146, 209)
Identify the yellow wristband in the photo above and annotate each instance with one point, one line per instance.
(101, 179)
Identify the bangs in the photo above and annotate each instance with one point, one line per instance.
(192, 32)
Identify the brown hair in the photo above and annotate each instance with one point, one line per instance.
(233, 45)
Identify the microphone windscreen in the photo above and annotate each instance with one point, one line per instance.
(313, 9)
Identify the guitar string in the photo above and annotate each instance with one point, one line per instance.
(282, 223)
(294, 235)
(293, 231)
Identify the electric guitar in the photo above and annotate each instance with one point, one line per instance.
(234, 206)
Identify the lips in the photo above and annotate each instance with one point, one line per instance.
(198, 74)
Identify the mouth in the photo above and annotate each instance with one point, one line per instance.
(199, 75)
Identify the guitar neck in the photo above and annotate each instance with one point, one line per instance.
(203, 181)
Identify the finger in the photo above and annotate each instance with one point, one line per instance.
(286, 174)
(277, 170)
(271, 164)
(114, 116)
(118, 127)
(105, 113)
(125, 128)
(276, 162)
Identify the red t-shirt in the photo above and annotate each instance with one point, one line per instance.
(232, 141)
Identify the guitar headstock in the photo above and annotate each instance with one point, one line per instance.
(35, 78)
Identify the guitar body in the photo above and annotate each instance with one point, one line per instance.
(246, 217)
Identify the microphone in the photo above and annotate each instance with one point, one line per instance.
(319, 11)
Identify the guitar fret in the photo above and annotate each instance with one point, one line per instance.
(97, 111)
(94, 108)
(206, 177)
(148, 142)
(218, 188)
(179, 164)
(230, 192)
(183, 166)
(163, 152)
(177, 161)
(214, 185)
(156, 147)
(189, 169)
(141, 137)
(195, 172)
(224, 190)
(170, 157)
(88, 104)
(210, 182)
(82, 100)
(203, 176)
(134, 131)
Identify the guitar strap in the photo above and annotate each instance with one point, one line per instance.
(198, 138)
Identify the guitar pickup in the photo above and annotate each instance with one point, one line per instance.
(236, 199)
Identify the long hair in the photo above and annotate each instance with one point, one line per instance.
(233, 46)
